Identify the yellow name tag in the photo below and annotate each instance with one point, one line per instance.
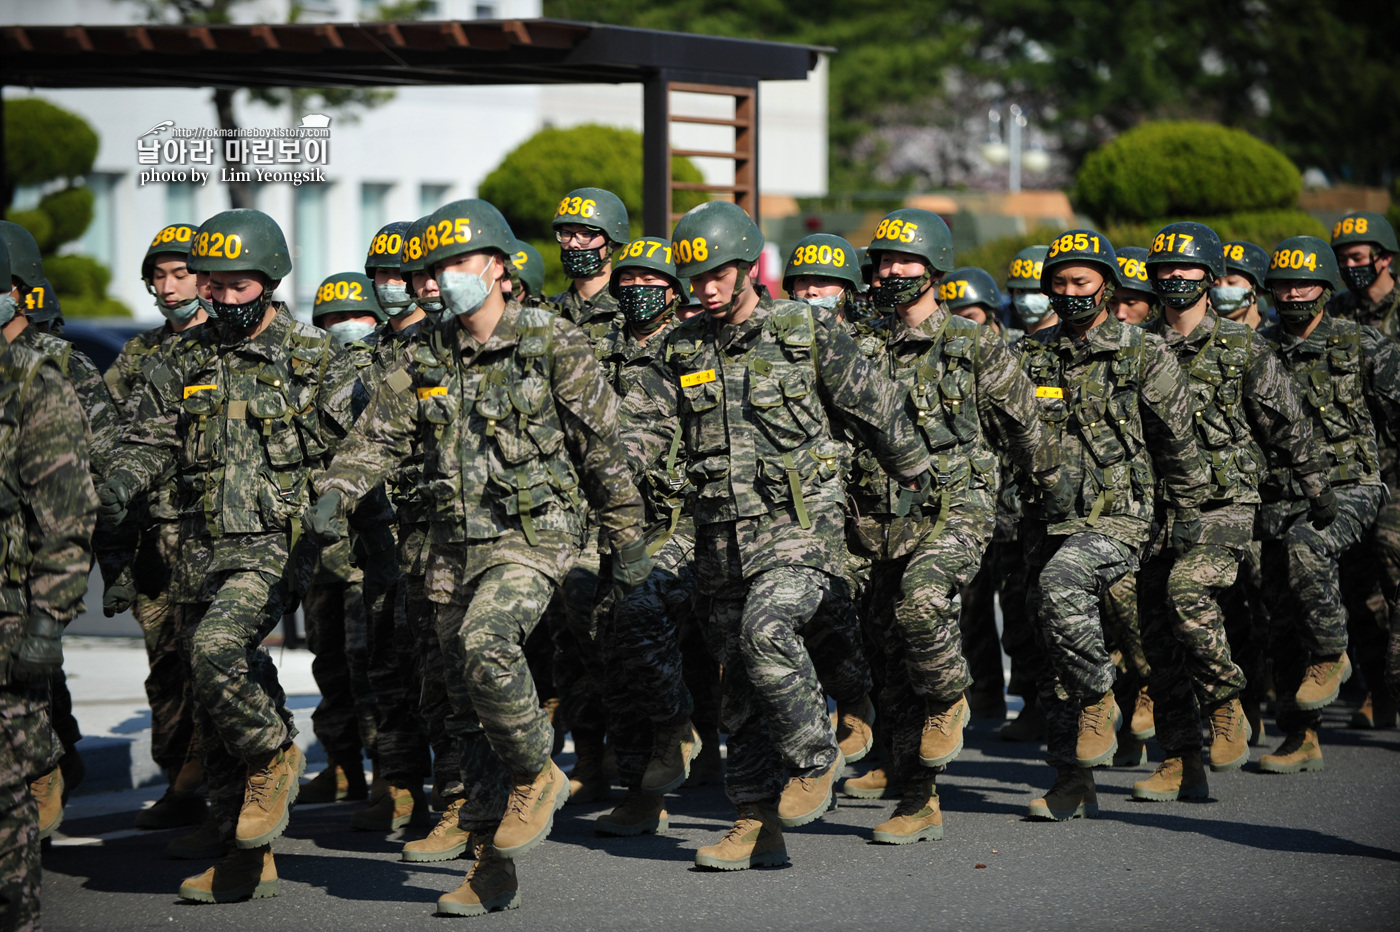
(430, 392)
(691, 379)
(1046, 391)
(195, 389)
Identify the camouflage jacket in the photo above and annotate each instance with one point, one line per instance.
(96, 401)
(335, 562)
(1383, 316)
(245, 423)
(393, 350)
(47, 502)
(755, 401)
(1119, 406)
(512, 431)
(1244, 404)
(1344, 373)
(1008, 520)
(595, 316)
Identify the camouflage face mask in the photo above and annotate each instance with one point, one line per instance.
(644, 306)
(1179, 293)
(582, 263)
(893, 292)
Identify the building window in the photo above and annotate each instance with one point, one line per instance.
(100, 238)
(431, 197)
(179, 204)
(485, 11)
(312, 252)
(374, 210)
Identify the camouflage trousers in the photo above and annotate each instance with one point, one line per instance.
(1302, 584)
(1370, 576)
(1069, 576)
(917, 599)
(407, 676)
(29, 748)
(640, 641)
(577, 662)
(995, 582)
(168, 688)
(1247, 624)
(1184, 635)
(344, 721)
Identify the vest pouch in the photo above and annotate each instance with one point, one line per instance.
(204, 403)
(804, 403)
(708, 475)
(830, 457)
(444, 497)
(774, 417)
(202, 408)
(281, 440)
(281, 496)
(439, 410)
(962, 416)
(773, 480)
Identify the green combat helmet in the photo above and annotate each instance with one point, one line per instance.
(824, 255)
(712, 234)
(8, 304)
(916, 232)
(347, 293)
(528, 267)
(243, 240)
(1023, 281)
(411, 260)
(384, 252)
(1132, 270)
(173, 240)
(1363, 227)
(1306, 259)
(1081, 247)
(1248, 260)
(970, 287)
(1185, 243)
(466, 226)
(595, 209)
(645, 306)
(25, 263)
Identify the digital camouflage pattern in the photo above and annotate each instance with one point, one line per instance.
(596, 316)
(1383, 315)
(104, 425)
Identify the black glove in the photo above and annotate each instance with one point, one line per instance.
(39, 654)
(1322, 509)
(1058, 503)
(119, 595)
(911, 501)
(114, 495)
(631, 566)
(322, 521)
(1186, 531)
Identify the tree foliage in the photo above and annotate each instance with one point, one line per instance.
(44, 142)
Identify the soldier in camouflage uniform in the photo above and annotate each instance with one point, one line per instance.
(1366, 246)
(971, 403)
(1341, 369)
(1245, 407)
(752, 382)
(335, 608)
(527, 274)
(1235, 295)
(1030, 309)
(243, 413)
(590, 225)
(1117, 403)
(47, 521)
(516, 426)
(140, 557)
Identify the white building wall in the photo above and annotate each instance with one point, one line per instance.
(440, 139)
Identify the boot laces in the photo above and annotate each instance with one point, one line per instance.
(449, 819)
(521, 800)
(747, 821)
(1223, 719)
(943, 721)
(1098, 716)
(914, 801)
(259, 789)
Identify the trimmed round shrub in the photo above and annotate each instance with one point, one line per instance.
(79, 276)
(37, 222)
(44, 142)
(531, 179)
(70, 211)
(1175, 169)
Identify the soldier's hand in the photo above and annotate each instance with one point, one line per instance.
(631, 566)
(323, 522)
(1059, 498)
(119, 595)
(114, 495)
(1322, 509)
(39, 653)
(911, 500)
(1186, 531)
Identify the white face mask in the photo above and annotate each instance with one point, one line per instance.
(464, 293)
(350, 331)
(1032, 307)
(1227, 299)
(180, 313)
(826, 302)
(8, 306)
(393, 297)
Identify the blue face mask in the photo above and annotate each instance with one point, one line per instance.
(8, 306)
(393, 298)
(1227, 299)
(1031, 307)
(180, 313)
(208, 306)
(350, 331)
(463, 293)
(826, 302)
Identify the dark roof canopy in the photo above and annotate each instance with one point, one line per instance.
(540, 51)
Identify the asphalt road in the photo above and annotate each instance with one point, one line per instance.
(1266, 852)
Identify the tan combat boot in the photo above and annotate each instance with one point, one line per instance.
(446, 841)
(854, 726)
(916, 818)
(331, 785)
(756, 840)
(1300, 751)
(1376, 712)
(806, 799)
(1256, 721)
(1131, 752)
(943, 731)
(272, 788)
(243, 873)
(212, 839)
(1029, 724)
(1229, 728)
(673, 748)
(48, 796)
(182, 804)
(875, 784)
(709, 766)
(490, 886)
(1071, 797)
(1322, 681)
(551, 708)
(1098, 732)
(1144, 722)
(641, 812)
(530, 810)
(1181, 777)
(586, 781)
(399, 806)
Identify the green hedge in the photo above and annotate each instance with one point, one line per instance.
(531, 179)
(1265, 227)
(81, 283)
(1172, 169)
(995, 255)
(44, 142)
(70, 211)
